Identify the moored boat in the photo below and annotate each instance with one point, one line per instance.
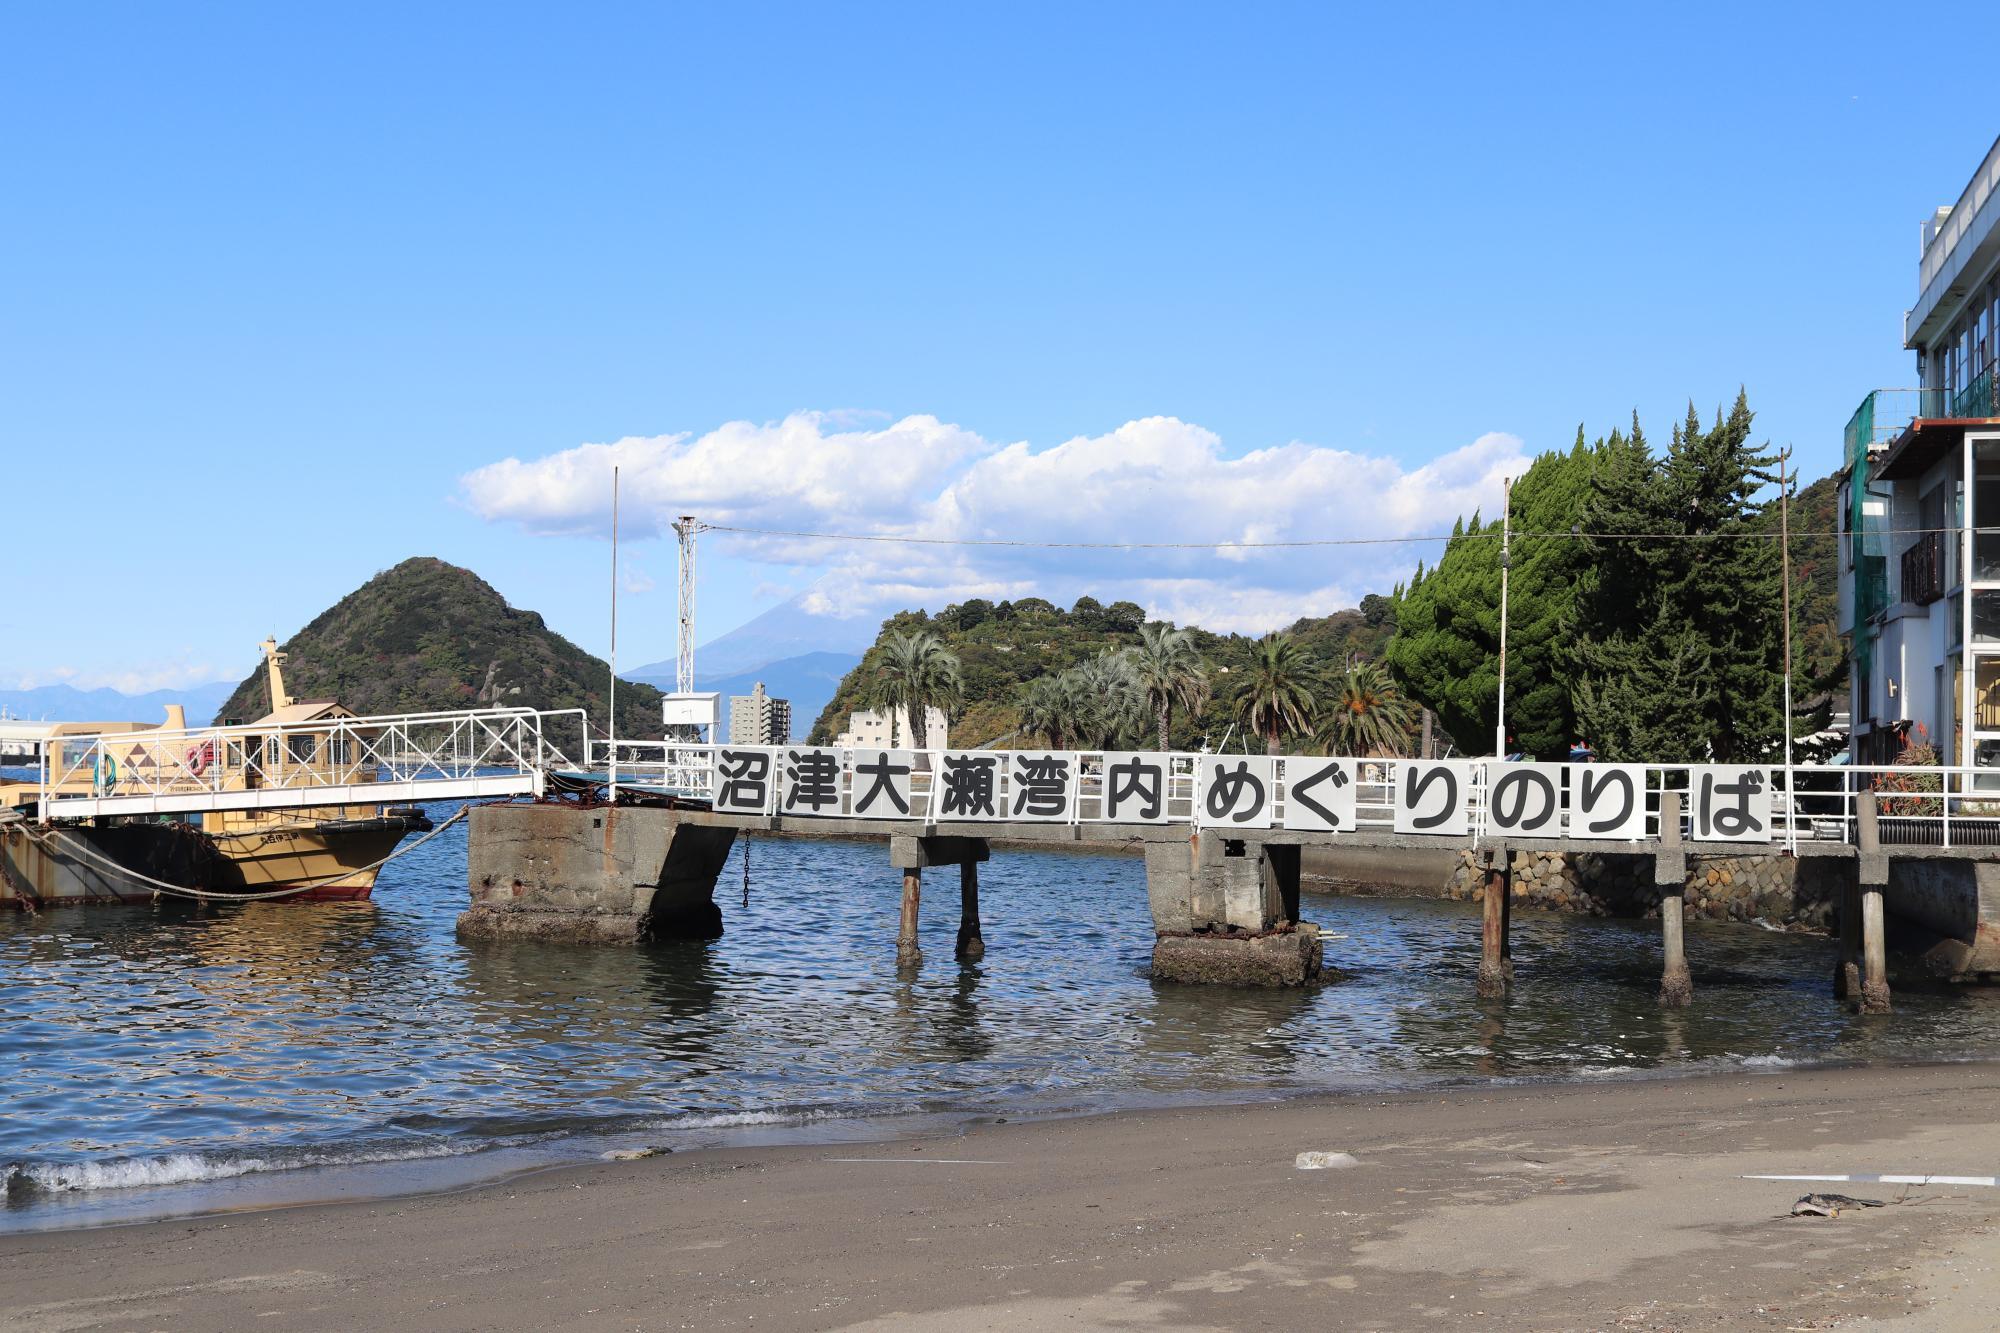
(309, 853)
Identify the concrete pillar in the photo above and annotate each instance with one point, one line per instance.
(971, 947)
(1670, 875)
(1495, 964)
(1872, 872)
(1225, 911)
(1874, 953)
(907, 952)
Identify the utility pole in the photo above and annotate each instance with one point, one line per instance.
(611, 694)
(1785, 578)
(1506, 558)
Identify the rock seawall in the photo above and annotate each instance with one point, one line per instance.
(1778, 890)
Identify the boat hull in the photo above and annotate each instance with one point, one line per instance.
(48, 867)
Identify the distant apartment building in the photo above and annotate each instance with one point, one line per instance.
(758, 719)
(1920, 509)
(873, 728)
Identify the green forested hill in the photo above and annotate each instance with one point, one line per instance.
(427, 635)
(1001, 647)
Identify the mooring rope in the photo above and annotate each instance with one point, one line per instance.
(183, 891)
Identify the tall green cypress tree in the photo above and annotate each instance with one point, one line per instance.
(1674, 654)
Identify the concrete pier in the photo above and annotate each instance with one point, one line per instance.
(1225, 912)
(1670, 874)
(591, 875)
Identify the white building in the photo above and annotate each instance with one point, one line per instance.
(1925, 639)
(872, 728)
(758, 719)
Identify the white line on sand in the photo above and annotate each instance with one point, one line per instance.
(1862, 1178)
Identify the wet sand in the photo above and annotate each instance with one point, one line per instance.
(1614, 1205)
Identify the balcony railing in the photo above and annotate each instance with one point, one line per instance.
(1886, 413)
(1977, 399)
(1923, 570)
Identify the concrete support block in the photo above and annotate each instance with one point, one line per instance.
(908, 853)
(1287, 958)
(591, 875)
(1170, 886)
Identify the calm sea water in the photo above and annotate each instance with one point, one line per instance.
(156, 1060)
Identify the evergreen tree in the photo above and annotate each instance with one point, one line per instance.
(1674, 652)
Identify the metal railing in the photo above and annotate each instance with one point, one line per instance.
(1940, 244)
(1805, 804)
(1923, 570)
(331, 761)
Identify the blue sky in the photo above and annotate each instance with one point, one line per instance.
(275, 282)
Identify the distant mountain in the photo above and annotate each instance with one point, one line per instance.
(64, 703)
(785, 631)
(807, 681)
(428, 636)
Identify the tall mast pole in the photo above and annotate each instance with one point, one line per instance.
(685, 528)
(1785, 562)
(1506, 558)
(611, 694)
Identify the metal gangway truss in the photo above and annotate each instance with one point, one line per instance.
(332, 761)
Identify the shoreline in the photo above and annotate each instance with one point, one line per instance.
(1544, 1203)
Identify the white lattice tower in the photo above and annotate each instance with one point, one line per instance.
(685, 527)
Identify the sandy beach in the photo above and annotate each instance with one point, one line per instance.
(1617, 1205)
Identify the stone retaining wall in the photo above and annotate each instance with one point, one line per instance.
(1779, 890)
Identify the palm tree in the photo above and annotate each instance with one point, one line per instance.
(917, 673)
(1106, 702)
(1368, 716)
(1045, 710)
(1168, 670)
(1277, 692)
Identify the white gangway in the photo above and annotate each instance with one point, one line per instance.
(406, 757)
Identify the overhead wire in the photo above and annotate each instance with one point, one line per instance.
(1293, 543)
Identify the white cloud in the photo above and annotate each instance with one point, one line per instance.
(143, 678)
(1153, 480)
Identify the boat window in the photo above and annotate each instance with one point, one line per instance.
(303, 747)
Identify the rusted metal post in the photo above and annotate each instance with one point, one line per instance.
(1676, 984)
(907, 952)
(1873, 874)
(971, 948)
(1495, 965)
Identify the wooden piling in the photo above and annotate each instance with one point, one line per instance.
(1676, 983)
(907, 952)
(971, 947)
(1873, 874)
(1495, 963)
